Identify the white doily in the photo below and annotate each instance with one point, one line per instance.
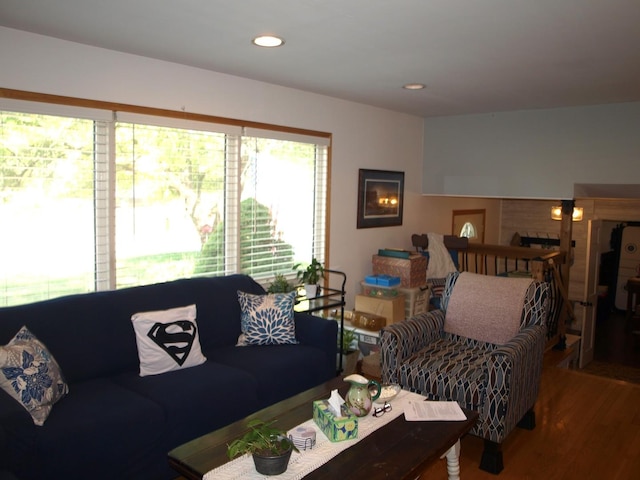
(306, 461)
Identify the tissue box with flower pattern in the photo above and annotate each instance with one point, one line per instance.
(337, 429)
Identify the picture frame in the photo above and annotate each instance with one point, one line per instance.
(380, 198)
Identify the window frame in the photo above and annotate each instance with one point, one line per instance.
(105, 116)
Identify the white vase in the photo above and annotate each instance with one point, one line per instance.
(311, 291)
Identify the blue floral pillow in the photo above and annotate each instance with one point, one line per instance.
(267, 319)
(30, 374)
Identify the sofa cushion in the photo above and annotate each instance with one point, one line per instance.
(449, 369)
(30, 375)
(267, 319)
(98, 422)
(218, 307)
(167, 340)
(196, 400)
(279, 370)
(83, 331)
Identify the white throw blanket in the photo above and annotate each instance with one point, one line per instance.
(440, 263)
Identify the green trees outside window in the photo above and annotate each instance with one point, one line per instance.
(94, 204)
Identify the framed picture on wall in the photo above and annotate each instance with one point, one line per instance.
(380, 198)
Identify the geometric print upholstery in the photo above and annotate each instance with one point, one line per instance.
(500, 382)
(449, 370)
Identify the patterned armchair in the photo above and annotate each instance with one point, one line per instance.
(483, 349)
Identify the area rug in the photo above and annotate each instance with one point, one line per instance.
(613, 370)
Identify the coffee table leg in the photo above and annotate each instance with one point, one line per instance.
(453, 461)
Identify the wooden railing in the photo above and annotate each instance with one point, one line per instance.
(540, 264)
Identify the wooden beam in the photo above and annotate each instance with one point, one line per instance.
(566, 232)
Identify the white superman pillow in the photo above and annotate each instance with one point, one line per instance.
(167, 340)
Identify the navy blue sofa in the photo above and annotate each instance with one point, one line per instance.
(116, 424)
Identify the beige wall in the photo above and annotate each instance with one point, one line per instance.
(437, 214)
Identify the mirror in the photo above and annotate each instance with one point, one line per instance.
(470, 224)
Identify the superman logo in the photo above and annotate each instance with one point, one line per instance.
(175, 338)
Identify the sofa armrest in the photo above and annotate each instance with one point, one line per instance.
(399, 341)
(514, 389)
(318, 332)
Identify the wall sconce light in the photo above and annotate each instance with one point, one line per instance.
(556, 213)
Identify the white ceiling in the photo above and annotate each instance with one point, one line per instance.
(475, 56)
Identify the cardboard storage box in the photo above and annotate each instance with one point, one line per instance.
(335, 428)
(412, 271)
(391, 308)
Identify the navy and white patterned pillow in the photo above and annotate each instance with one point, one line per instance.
(267, 319)
(30, 374)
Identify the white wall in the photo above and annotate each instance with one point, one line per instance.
(532, 154)
(363, 136)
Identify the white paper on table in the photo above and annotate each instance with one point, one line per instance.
(432, 411)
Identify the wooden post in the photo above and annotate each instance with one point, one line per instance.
(566, 232)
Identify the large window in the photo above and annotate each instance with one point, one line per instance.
(126, 199)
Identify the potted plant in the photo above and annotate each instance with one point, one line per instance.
(310, 276)
(269, 446)
(280, 284)
(349, 353)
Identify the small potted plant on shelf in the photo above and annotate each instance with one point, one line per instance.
(349, 353)
(280, 284)
(310, 276)
(269, 446)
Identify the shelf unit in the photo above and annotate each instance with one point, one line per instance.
(330, 298)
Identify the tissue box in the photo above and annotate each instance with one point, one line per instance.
(335, 428)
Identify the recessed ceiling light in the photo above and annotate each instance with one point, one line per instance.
(268, 41)
(414, 86)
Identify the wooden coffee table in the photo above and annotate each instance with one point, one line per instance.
(399, 450)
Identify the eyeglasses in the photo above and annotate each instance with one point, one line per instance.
(379, 411)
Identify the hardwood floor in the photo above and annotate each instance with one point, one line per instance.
(588, 427)
(615, 342)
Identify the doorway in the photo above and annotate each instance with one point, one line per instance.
(614, 343)
(469, 224)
